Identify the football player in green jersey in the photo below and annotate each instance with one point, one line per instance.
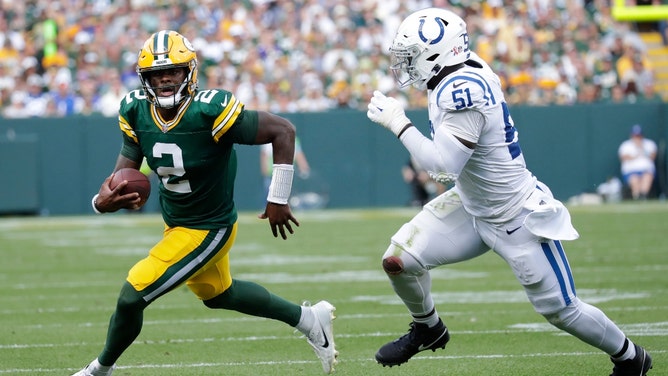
(187, 137)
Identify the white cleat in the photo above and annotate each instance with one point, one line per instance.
(95, 369)
(321, 336)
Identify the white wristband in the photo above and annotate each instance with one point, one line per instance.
(281, 183)
(92, 202)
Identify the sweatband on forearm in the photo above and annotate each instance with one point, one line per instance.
(281, 184)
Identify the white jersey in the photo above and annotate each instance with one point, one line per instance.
(641, 156)
(496, 204)
(494, 182)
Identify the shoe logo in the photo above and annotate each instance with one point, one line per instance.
(458, 84)
(324, 334)
(423, 347)
(509, 232)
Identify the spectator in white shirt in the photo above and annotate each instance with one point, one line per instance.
(637, 155)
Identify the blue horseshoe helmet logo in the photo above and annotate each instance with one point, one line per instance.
(441, 25)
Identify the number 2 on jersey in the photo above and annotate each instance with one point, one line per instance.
(177, 170)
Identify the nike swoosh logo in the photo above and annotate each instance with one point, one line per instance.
(225, 102)
(324, 334)
(379, 109)
(458, 84)
(513, 230)
(423, 347)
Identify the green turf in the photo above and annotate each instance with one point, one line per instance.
(59, 278)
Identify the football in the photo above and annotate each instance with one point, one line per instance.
(137, 182)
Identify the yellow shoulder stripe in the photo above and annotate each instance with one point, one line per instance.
(226, 118)
(127, 129)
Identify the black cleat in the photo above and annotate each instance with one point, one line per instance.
(638, 366)
(419, 338)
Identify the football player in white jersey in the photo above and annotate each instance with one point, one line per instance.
(496, 203)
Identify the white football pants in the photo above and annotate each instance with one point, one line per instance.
(444, 233)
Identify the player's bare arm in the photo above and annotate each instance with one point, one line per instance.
(278, 131)
(281, 134)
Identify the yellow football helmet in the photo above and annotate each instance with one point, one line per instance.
(167, 49)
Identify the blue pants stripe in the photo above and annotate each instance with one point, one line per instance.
(552, 258)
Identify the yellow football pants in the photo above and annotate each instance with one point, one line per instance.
(200, 258)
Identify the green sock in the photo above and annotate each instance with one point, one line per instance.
(124, 326)
(253, 299)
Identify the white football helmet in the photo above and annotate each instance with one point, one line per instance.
(427, 41)
(167, 49)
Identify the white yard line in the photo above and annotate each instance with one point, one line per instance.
(190, 366)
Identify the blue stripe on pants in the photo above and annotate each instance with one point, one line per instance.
(552, 258)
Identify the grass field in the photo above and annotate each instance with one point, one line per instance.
(60, 276)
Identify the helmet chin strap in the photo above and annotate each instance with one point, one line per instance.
(422, 84)
(169, 102)
(172, 100)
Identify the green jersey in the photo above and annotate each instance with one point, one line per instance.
(193, 154)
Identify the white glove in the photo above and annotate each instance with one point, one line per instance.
(387, 112)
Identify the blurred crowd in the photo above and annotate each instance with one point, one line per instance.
(77, 57)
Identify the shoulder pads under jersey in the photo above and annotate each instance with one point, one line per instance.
(133, 98)
(214, 102)
(465, 89)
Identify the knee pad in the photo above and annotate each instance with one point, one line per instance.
(546, 303)
(396, 261)
(204, 291)
(542, 290)
(564, 316)
(223, 300)
(216, 302)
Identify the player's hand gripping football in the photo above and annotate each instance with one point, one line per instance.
(110, 200)
(388, 112)
(279, 217)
